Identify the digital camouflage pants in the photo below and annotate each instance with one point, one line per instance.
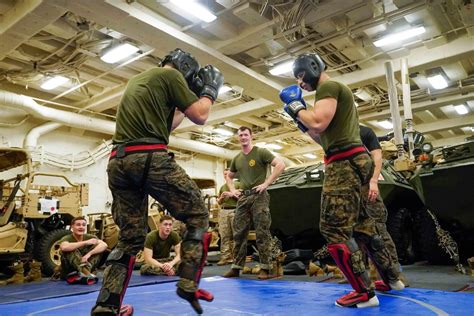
(252, 208)
(226, 218)
(344, 213)
(166, 182)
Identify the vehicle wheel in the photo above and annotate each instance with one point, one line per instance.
(399, 225)
(430, 249)
(47, 250)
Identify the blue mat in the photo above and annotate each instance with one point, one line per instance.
(251, 297)
(49, 289)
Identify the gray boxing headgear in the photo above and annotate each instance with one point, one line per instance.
(184, 62)
(309, 67)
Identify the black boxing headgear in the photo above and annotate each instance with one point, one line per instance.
(184, 62)
(308, 67)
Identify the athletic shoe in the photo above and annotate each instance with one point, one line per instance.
(358, 300)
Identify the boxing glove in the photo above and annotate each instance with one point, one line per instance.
(207, 82)
(292, 96)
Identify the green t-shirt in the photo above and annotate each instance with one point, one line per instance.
(344, 127)
(82, 250)
(229, 202)
(148, 104)
(161, 248)
(253, 167)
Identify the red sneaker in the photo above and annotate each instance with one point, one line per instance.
(358, 300)
(381, 286)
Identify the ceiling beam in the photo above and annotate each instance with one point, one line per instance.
(421, 56)
(448, 141)
(257, 121)
(441, 125)
(135, 21)
(219, 116)
(436, 102)
(24, 20)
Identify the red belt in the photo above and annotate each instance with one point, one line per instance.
(343, 154)
(140, 148)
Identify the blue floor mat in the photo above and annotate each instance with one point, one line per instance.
(50, 289)
(251, 297)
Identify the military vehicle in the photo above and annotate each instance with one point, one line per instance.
(34, 216)
(295, 208)
(448, 192)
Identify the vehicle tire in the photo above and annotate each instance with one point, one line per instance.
(47, 250)
(430, 249)
(399, 226)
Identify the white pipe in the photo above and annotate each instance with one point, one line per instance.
(393, 98)
(99, 125)
(31, 139)
(407, 105)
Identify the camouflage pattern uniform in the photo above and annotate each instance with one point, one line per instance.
(226, 219)
(71, 261)
(252, 208)
(144, 119)
(147, 269)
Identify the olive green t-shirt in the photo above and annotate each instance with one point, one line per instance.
(148, 104)
(253, 167)
(82, 250)
(344, 127)
(229, 202)
(161, 248)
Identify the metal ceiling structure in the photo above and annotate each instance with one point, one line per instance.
(42, 38)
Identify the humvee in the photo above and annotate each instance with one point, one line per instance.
(34, 214)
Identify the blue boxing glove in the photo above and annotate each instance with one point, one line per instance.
(292, 96)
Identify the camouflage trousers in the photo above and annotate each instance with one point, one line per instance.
(166, 182)
(252, 208)
(378, 212)
(71, 262)
(148, 269)
(344, 212)
(226, 218)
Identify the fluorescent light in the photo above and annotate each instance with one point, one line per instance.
(269, 146)
(282, 68)
(273, 146)
(224, 89)
(386, 124)
(437, 81)
(461, 109)
(222, 131)
(400, 36)
(195, 9)
(54, 82)
(310, 156)
(118, 53)
(356, 104)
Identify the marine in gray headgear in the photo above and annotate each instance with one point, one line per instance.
(308, 67)
(183, 62)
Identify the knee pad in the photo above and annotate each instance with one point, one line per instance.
(377, 243)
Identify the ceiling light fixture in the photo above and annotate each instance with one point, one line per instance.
(195, 9)
(461, 109)
(310, 156)
(400, 36)
(54, 82)
(118, 53)
(273, 146)
(282, 68)
(437, 81)
(222, 131)
(224, 89)
(386, 124)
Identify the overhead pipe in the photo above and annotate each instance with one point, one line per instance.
(100, 125)
(31, 139)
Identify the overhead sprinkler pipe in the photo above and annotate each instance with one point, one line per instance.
(407, 113)
(394, 110)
